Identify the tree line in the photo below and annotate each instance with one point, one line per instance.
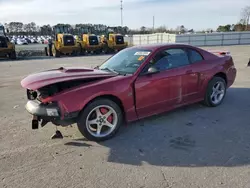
(19, 28)
(242, 25)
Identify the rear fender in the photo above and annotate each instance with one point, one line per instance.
(209, 77)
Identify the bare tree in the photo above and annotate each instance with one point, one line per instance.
(246, 15)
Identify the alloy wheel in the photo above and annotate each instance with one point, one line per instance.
(101, 121)
(218, 92)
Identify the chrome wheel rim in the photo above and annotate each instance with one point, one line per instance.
(101, 121)
(218, 92)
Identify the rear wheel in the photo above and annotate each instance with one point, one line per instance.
(100, 120)
(216, 92)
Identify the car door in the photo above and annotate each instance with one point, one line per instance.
(192, 79)
(179, 59)
(159, 92)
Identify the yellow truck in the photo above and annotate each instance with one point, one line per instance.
(7, 49)
(64, 43)
(113, 42)
(89, 42)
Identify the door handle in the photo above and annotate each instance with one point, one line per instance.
(189, 72)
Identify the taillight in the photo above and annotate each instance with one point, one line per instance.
(224, 53)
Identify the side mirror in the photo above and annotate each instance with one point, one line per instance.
(152, 70)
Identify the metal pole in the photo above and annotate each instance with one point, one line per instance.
(121, 14)
(247, 22)
(153, 24)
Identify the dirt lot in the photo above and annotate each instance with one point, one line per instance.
(192, 147)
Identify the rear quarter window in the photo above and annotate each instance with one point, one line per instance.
(194, 56)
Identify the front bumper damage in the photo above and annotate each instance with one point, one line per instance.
(44, 113)
(39, 109)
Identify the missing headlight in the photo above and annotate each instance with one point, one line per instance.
(31, 95)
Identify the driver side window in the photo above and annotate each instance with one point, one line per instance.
(170, 58)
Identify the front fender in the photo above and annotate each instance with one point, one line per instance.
(96, 95)
(76, 99)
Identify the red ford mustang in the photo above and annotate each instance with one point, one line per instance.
(135, 83)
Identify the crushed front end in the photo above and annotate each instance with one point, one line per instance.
(43, 110)
(53, 95)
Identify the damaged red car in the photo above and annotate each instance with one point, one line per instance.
(135, 83)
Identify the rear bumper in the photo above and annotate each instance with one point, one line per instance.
(69, 49)
(93, 47)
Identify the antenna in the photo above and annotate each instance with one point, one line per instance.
(121, 14)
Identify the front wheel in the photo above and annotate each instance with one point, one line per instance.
(216, 92)
(100, 120)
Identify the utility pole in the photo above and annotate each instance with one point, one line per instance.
(247, 20)
(153, 24)
(121, 14)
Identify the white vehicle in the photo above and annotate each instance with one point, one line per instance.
(13, 41)
(22, 41)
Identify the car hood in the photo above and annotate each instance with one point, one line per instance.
(48, 77)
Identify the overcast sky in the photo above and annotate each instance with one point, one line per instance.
(196, 14)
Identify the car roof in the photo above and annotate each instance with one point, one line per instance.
(157, 46)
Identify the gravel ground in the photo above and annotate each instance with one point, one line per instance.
(194, 146)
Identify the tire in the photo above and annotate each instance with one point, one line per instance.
(12, 55)
(98, 52)
(81, 50)
(105, 49)
(211, 100)
(55, 52)
(49, 49)
(74, 53)
(46, 51)
(89, 110)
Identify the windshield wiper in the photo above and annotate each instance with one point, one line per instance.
(96, 67)
(110, 70)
